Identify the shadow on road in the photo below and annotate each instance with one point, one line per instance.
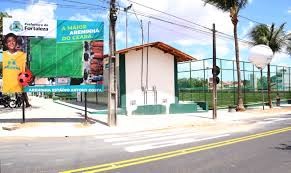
(80, 119)
(52, 120)
(93, 120)
(284, 147)
(7, 110)
(202, 116)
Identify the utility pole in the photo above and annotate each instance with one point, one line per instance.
(144, 89)
(126, 23)
(214, 70)
(112, 87)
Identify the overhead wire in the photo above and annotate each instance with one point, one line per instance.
(84, 3)
(183, 26)
(63, 5)
(222, 34)
(201, 29)
(174, 16)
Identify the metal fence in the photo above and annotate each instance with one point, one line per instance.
(195, 82)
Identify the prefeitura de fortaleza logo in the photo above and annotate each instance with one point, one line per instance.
(16, 26)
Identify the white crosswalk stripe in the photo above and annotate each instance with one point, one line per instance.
(138, 134)
(142, 136)
(272, 120)
(140, 141)
(136, 148)
(154, 139)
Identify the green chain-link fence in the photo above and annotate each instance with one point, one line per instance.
(195, 82)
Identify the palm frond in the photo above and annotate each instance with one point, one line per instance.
(275, 38)
(289, 49)
(280, 31)
(260, 34)
(225, 5)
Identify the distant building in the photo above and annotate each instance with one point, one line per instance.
(283, 81)
(223, 84)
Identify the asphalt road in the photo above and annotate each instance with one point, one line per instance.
(177, 151)
(270, 154)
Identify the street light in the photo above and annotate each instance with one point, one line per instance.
(261, 55)
(126, 23)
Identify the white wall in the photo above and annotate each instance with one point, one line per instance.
(160, 74)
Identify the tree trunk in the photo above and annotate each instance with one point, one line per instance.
(240, 104)
(269, 86)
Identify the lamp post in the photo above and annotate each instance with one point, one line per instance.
(260, 56)
(126, 22)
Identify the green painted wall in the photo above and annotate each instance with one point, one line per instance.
(122, 81)
(176, 80)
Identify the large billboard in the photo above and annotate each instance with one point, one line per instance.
(78, 59)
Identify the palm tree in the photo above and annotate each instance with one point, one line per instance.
(275, 38)
(233, 7)
(2, 14)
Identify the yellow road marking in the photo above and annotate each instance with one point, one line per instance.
(140, 160)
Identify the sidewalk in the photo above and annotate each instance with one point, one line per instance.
(49, 119)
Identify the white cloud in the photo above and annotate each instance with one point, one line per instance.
(121, 37)
(223, 48)
(47, 10)
(89, 16)
(244, 46)
(246, 30)
(81, 17)
(186, 40)
(198, 55)
(289, 11)
(39, 10)
(190, 42)
(191, 10)
(281, 59)
(161, 5)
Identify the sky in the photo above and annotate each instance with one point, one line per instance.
(195, 42)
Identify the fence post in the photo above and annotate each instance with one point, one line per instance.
(244, 82)
(233, 83)
(254, 85)
(204, 80)
(289, 79)
(283, 82)
(254, 89)
(221, 82)
(277, 79)
(191, 80)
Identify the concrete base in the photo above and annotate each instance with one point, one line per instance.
(183, 108)
(150, 110)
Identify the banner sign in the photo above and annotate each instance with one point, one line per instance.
(30, 27)
(65, 88)
(75, 31)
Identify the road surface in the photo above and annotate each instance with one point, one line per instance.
(265, 149)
